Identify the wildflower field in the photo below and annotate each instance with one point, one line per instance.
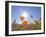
(33, 26)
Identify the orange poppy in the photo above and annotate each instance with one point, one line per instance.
(25, 22)
(22, 17)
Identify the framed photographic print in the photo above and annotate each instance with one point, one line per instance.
(24, 18)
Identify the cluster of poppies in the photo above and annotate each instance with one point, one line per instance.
(25, 22)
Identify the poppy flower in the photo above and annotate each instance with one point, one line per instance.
(22, 17)
(25, 22)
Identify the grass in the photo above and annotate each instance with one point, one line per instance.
(19, 27)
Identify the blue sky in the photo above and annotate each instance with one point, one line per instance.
(18, 11)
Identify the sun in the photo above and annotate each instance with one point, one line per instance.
(25, 14)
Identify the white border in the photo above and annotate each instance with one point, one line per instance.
(31, 31)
